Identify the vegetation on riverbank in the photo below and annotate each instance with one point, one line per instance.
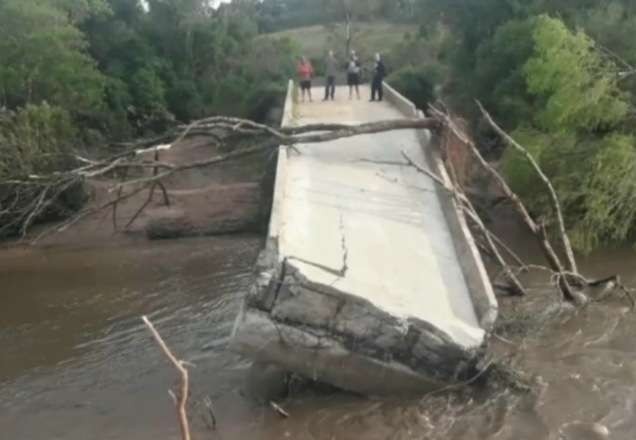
(78, 75)
(557, 75)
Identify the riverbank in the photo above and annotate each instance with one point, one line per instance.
(229, 198)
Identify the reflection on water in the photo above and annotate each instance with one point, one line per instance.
(76, 362)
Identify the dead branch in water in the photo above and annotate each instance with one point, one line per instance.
(469, 211)
(133, 168)
(279, 409)
(564, 277)
(182, 399)
(556, 205)
(538, 230)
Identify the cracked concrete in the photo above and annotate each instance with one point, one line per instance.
(345, 251)
(361, 284)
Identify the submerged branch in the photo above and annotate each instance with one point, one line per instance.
(182, 399)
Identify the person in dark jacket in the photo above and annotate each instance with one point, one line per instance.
(353, 75)
(377, 83)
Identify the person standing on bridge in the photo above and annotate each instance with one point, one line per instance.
(353, 75)
(305, 75)
(331, 69)
(377, 83)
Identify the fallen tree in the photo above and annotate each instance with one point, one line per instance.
(565, 276)
(138, 167)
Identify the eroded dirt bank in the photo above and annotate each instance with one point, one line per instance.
(231, 197)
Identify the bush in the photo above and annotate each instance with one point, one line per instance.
(148, 90)
(185, 101)
(262, 99)
(416, 83)
(36, 140)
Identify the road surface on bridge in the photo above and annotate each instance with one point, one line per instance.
(370, 279)
(355, 216)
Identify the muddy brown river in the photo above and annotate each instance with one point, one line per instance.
(76, 362)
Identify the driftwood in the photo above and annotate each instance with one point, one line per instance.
(180, 400)
(279, 409)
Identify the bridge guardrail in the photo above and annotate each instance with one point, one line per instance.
(281, 167)
(477, 279)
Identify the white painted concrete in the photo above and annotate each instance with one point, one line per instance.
(354, 216)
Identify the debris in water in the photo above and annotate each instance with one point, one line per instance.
(279, 409)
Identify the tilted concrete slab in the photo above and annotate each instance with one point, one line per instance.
(370, 279)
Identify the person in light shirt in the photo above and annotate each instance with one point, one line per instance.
(305, 75)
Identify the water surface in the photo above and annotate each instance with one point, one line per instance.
(77, 364)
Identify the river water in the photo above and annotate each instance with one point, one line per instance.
(76, 362)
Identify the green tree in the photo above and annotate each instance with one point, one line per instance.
(578, 86)
(45, 59)
(576, 135)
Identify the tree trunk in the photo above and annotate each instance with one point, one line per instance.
(347, 33)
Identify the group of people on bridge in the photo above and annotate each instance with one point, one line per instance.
(353, 69)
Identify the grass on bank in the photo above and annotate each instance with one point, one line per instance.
(368, 38)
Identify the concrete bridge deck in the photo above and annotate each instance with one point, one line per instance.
(373, 255)
(356, 207)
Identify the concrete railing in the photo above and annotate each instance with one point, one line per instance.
(400, 102)
(479, 285)
(275, 222)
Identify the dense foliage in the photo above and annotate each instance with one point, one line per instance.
(119, 67)
(557, 75)
(79, 73)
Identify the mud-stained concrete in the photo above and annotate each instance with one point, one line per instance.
(362, 278)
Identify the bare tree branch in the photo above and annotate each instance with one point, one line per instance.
(538, 230)
(85, 213)
(468, 208)
(182, 399)
(556, 205)
(39, 188)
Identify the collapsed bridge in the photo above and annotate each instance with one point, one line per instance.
(370, 279)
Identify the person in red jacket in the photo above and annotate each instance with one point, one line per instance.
(305, 74)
